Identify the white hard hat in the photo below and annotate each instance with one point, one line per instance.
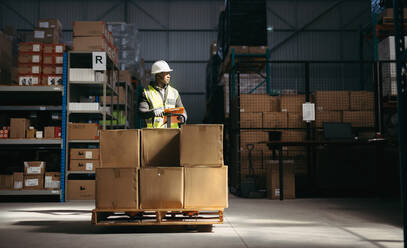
(160, 66)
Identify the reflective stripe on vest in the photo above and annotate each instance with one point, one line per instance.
(156, 101)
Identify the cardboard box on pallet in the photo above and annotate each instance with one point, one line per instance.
(50, 23)
(18, 127)
(83, 164)
(359, 118)
(29, 80)
(29, 58)
(295, 121)
(31, 69)
(120, 148)
(84, 153)
(80, 190)
(327, 116)
(6, 181)
(46, 35)
(34, 167)
(206, 187)
(83, 131)
(34, 182)
(292, 103)
(117, 188)
(18, 180)
(275, 120)
(331, 100)
(160, 147)
(362, 100)
(273, 180)
(251, 120)
(202, 145)
(52, 180)
(167, 191)
(30, 47)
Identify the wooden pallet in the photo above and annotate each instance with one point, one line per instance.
(156, 217)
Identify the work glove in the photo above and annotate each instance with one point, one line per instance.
(159, 112)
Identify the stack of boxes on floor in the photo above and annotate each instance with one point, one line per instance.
(40, 62)
(83, 159)
(180, 168)
(34, 177)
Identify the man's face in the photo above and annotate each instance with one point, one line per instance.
(163, 77)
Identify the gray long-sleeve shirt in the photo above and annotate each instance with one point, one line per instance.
(146, 111)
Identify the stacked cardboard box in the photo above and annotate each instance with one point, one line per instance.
(40, 62)
(176, 171)
(94, 36)
(355, 107)
(34, 175)
(4, 132)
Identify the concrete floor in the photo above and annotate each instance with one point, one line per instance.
(248, 223)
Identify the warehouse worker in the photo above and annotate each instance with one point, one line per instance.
(159, 95)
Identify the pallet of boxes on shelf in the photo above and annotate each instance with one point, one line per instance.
(161, 177)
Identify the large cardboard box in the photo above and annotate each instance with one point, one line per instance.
(202, 145)
(359, 118)
(83, 131)
(91, 44)
(50, 23)
(295, 121)
(34, 182)
(275, 103)
(6, 181)
(52, 180)
(46, 35)
(251, 120)
(160, 147)
(89, 28)
(292, 103)
(125, 76)
(206, 187)
(84, 153)
(161, 188)
(18, 180)
(327, 116)
(273, 179)
(117, 188)
(275, 120)
(34, 167)
(331, 100)
(120, 148)
(80, 190)
(49, 132)
(83, 164)
(18, 126)
(255, 103)
(362, 100)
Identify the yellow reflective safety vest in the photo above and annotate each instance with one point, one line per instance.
(156, 101)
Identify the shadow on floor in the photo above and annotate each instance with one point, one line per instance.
(85, 227)
(54, 211)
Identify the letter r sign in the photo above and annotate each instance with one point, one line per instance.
(99, 61)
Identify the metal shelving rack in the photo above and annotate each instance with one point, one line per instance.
(34, 98)
(87, 88)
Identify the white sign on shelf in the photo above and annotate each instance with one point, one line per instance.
(99, 61)
(308, 111)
